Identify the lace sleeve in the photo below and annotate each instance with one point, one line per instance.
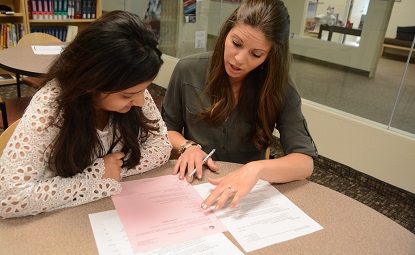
(155, 151)
(27, 185)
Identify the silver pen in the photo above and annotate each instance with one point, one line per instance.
(204, 161)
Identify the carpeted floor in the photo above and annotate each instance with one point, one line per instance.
(393, 202)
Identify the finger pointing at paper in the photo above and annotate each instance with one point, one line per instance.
(234, 186)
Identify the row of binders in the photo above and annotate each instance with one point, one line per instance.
(62, 9)
(10, 34)
(63, 33)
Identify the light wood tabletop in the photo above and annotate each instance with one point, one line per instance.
(350, 227)
(22, 60)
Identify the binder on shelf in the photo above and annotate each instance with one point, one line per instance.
(93, 9)
(35, 12)
(65, 9)
(84, 9)
(47, 9)
(60, 9)
(78, 9)
(30, 9)
(40, 11)
(71, 9)
(71, 33)
(55, 9)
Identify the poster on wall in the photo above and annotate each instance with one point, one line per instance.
(189, 10)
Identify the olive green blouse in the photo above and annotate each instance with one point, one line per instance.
(185, 99)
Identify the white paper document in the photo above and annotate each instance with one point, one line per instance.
(263, 217)
(111, 239)
(48, 50)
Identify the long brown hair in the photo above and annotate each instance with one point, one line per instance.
(264, 100)
(114, 53)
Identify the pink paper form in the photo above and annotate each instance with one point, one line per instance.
(160, 211)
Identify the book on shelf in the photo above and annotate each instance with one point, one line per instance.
(61, 9)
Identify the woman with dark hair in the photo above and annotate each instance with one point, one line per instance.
(231, 99)
(92, 123)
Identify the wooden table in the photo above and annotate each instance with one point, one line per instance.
(337, 29)
(349, 226)
(21, 60)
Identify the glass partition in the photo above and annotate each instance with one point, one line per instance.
(360, 74)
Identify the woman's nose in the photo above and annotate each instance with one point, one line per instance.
(138, 100)
(239, 57)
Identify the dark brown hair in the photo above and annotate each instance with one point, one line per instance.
(112, 54)
(264, 101)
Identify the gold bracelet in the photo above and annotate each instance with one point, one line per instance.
(184, 146)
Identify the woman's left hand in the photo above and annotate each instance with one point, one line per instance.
(235, 184)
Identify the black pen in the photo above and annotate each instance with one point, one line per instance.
(204, 161)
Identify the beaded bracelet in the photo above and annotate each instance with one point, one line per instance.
(188, 144)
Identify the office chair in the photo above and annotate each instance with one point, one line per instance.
(12, 110)
(33, 39)
(5, 136)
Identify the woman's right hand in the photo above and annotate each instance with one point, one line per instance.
(113, 163)
(192, 158)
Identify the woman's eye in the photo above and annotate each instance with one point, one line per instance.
(127, 97)
(256, 55)
(236, 44)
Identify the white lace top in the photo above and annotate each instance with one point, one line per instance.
(29, 187)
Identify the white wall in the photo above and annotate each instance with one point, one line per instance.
(187, 31)
(166, 70)
(218, 13)
(138, 7)
(363, 145)
(402, 15)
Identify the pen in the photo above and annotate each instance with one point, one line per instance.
(204, 161)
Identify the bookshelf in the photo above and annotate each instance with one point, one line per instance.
(51, 20)
(18, 17)
(23, 14)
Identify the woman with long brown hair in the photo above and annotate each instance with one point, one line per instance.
(231, 100)
(92, 123)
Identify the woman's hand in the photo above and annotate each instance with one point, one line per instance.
(236, 184)
(192, 158)
(113, 164)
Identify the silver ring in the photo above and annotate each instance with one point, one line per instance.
(232, 189)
